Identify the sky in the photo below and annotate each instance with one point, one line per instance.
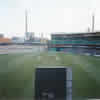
(47, 16)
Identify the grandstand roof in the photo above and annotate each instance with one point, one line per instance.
(77, 34)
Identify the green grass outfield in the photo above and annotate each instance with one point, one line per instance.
(17, 74)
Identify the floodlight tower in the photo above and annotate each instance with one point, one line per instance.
(26, 25)
(93, 22)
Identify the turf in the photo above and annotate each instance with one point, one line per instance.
(17, 74)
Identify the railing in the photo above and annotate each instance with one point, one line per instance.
(76, 42)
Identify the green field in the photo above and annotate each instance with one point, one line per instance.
(17, 74)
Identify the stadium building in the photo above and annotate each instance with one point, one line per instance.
(5, 41)
(78, 43)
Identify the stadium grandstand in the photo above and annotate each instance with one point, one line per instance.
(4, 41)
(78, 43)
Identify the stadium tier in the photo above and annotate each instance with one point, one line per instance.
(81, 43)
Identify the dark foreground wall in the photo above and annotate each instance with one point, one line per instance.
(50, 84)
